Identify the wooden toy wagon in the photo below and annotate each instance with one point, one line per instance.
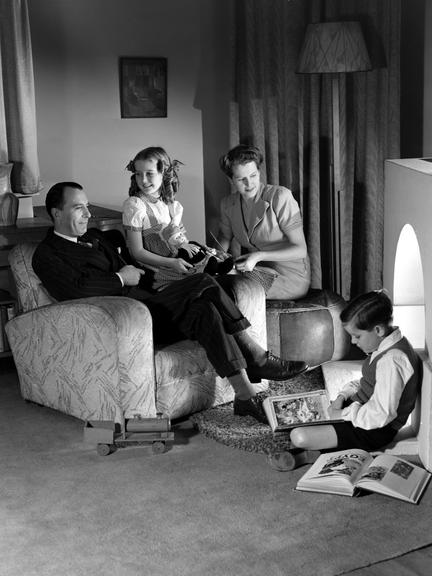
(107, 435)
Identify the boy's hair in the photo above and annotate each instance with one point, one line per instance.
(167, 167)
(55, 195)
(241, 154)
(368, 310)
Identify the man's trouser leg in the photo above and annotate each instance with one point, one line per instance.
(173, 304)
(204, 324)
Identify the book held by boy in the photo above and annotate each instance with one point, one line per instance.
(348, 472)
(301, 409)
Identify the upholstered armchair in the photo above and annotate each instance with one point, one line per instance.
(94, 358)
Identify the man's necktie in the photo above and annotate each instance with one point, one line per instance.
(84, 243)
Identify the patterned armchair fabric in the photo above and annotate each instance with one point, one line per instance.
(94, 358)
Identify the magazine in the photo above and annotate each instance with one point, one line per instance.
(348, 472)
(293, 410)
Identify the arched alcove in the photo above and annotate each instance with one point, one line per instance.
(408, 288)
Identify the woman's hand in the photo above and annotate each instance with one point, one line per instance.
(247, 262)
(180, 265)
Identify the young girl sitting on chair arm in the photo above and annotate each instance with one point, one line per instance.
(152, 219)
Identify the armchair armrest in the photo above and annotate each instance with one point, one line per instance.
(91, 358)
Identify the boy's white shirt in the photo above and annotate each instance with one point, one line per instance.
(393, 371)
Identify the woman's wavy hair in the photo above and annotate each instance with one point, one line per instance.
(368, 310)
(241, 154)
(167, 167)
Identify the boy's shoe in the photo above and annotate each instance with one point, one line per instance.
(275, 368)
(292, 459)
(251, 407)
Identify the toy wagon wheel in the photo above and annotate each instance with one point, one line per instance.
(103, 449)
(158, 447)
(282, 461)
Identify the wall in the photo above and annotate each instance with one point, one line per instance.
(81, 137)
(427, 101)
(412, 82)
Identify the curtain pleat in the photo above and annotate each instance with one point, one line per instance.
(18, 136)
(289, 117)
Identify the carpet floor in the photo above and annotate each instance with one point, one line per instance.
(220, 423)
(202, 508)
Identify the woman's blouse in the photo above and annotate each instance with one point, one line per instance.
(265, 225)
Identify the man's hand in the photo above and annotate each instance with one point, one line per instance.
(130, 275)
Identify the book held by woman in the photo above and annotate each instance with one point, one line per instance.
(348, 472)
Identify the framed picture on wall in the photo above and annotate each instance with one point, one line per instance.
(143, 87)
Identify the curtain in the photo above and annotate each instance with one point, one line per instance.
(18, 137)
(268, 36)
(288, 116)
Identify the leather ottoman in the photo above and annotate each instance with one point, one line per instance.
(308, 329)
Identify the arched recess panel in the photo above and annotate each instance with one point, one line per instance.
(408, 288)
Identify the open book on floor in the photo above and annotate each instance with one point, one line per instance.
(302, 409)
(347, 472)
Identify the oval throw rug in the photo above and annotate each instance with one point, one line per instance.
(244, 432)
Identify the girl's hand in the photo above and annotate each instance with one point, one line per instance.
(191, 249)
(181, 266)
(247, 262)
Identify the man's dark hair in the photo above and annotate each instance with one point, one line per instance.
(55, 195)
(368, 310)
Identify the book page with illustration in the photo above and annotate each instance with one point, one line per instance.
(395, 477)
(347, 472)
(302, 409)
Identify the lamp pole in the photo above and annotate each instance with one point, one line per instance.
(335, 191)
(334, 48)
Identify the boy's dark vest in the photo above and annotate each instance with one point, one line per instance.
(410, 392)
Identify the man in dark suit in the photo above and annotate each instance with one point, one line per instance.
(74, 262)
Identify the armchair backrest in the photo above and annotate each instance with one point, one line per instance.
(30, 292)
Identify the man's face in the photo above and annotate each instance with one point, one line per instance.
(72, 219)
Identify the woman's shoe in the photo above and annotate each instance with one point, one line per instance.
(275, 368)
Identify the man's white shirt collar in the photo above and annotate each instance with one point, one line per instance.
(70, 238)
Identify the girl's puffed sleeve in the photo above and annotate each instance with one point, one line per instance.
(134, 214)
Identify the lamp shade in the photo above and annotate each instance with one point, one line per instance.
(331, 47)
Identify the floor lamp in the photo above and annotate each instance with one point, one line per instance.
(334, 48)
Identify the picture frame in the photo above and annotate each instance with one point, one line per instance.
(143, 87)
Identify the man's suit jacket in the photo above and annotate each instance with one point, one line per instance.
(71, 270)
